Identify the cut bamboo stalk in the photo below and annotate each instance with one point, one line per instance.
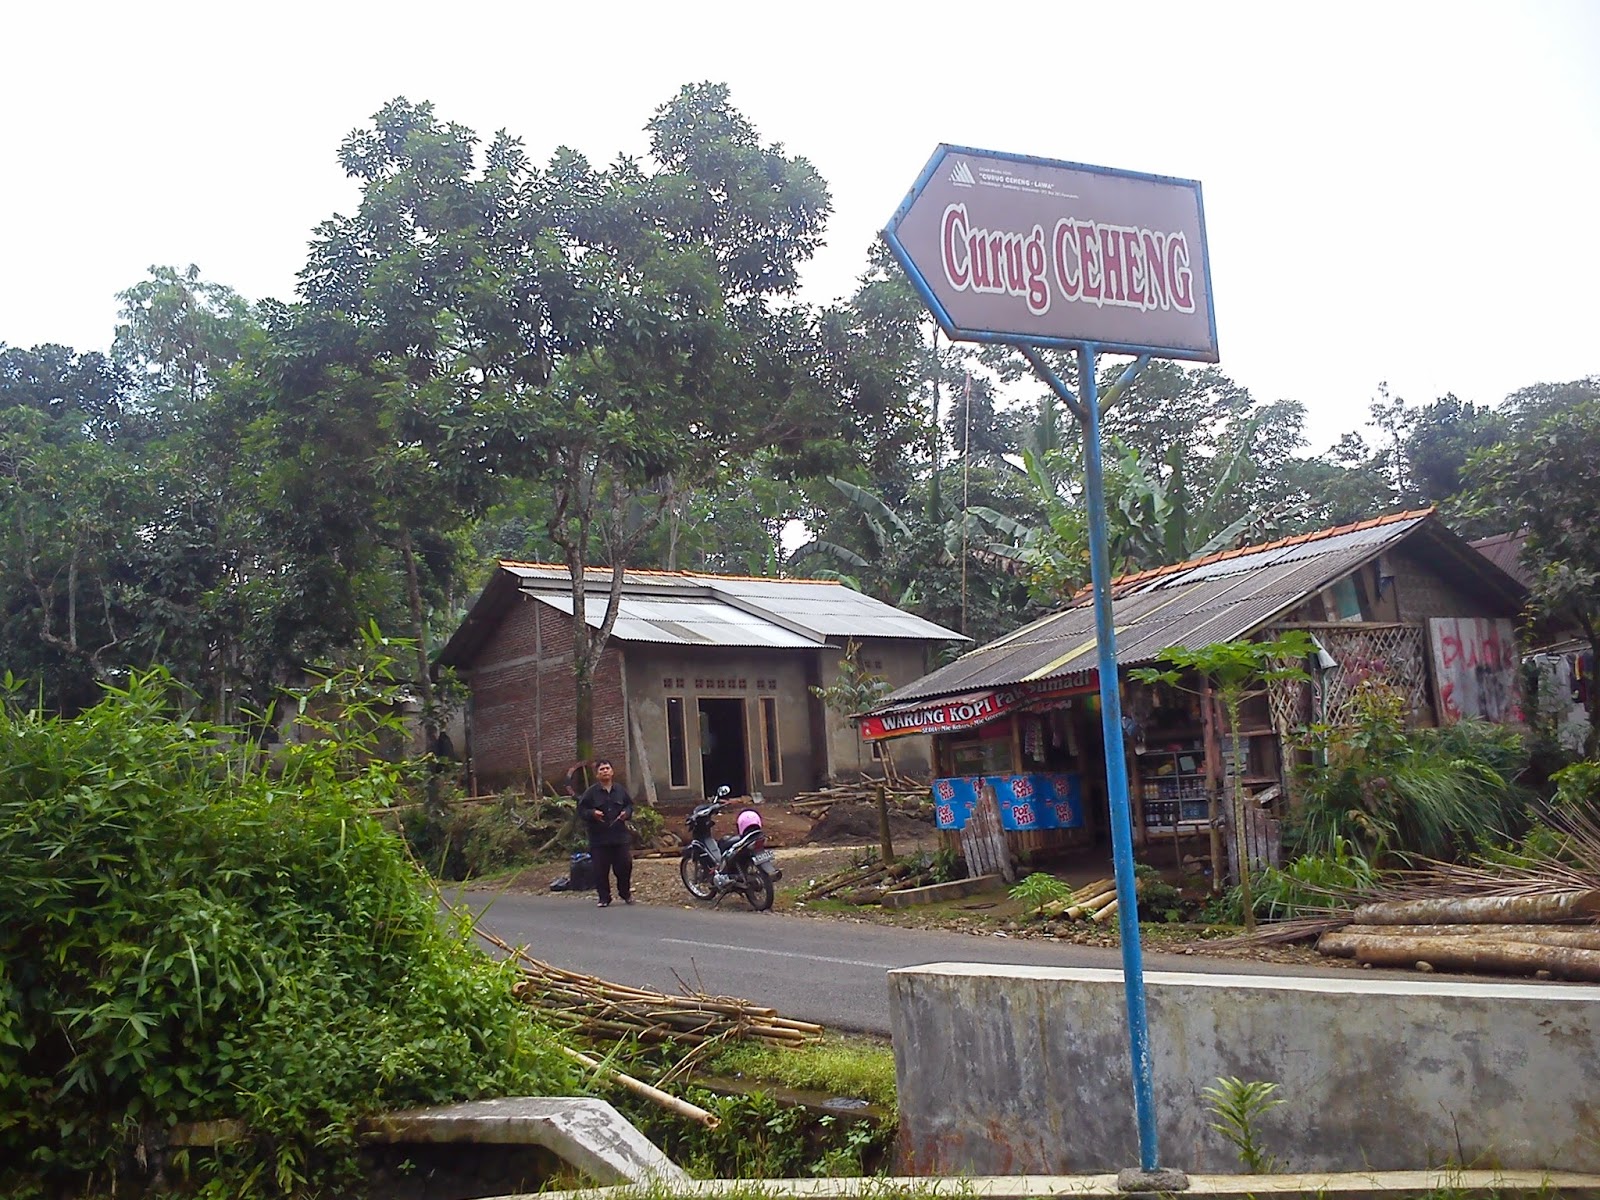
(1106, 913)
(791, 1023)
(1472, 954)
(1087, 908)
(640, 1088)
(1482, 910)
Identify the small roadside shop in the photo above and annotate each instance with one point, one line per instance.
(1040, 752)
(1398, 601)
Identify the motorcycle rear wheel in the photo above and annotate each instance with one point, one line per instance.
(758, 889)
(696, 876)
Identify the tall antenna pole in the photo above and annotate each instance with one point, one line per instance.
(966, 477)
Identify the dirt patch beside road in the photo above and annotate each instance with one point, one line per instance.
(807, 848)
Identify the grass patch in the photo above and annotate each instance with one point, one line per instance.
(859, 1067)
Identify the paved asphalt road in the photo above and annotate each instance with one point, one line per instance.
(808, 968)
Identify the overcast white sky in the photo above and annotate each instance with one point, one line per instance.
(1394, 191)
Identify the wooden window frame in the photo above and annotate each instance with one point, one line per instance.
(677, 755)
(771, 746)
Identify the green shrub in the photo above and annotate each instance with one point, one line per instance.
(1578, 787)
(948, 865)
(1224, 908)
(191, 935)
(1387, 790)
(458, 841)
(1238, 1106)
(840, 1068)
(1038, 889)
(648, 825)
(1313, 882)
(1158, 899)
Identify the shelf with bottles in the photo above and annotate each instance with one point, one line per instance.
(1172, 784)
(1185, 816)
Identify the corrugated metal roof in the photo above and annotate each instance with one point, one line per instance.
(815, 609)
(1504, 550)
(693, 609)
(1190, 605)
(832, 610)
(681, 621)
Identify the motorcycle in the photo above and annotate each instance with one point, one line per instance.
(713, 868)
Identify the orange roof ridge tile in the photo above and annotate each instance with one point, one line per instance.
(1298, 539)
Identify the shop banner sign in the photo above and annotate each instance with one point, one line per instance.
(1026, 801)
(964, 712)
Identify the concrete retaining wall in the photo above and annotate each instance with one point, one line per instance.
(1014, 1070)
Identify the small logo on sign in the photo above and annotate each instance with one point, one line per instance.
(961, 175)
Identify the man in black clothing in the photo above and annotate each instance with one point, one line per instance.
(605, 809)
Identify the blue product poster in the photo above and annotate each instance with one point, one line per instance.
(1026, 801)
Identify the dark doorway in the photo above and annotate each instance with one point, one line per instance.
(723, 754)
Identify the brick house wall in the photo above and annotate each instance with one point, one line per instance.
(522, 713)
(1422, 592)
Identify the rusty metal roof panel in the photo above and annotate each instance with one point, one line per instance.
(1212, 601)
(1356, 544)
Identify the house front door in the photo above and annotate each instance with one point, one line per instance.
(724, 753)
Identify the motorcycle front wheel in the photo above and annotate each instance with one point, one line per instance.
(696, 876)
(758, 889)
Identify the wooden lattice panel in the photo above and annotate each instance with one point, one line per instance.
(1390, 656)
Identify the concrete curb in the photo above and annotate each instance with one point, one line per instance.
(589, 1134)
(1351, 1184)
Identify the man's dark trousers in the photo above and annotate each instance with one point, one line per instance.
(612, 857)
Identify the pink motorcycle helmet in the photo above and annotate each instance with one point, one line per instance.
(749, 819)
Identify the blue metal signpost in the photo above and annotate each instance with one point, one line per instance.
(1105, 632)
(1034, 253)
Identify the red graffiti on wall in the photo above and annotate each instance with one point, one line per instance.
(1475, 662)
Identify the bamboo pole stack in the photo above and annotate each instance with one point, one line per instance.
(1551, 934)
(903, 798)
(853, 883)
(1095, 901)
(598, 1008)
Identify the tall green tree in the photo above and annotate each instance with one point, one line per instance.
(587, 332)
(1542, 480)
(65, 490)
(178, 332)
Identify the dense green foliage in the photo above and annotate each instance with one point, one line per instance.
(193, 932)
(1541, 479)
(1385, 790)
(1313, 882)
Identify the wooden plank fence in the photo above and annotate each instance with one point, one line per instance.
(983, 840)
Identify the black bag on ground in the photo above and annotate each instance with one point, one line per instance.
(581, 876)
